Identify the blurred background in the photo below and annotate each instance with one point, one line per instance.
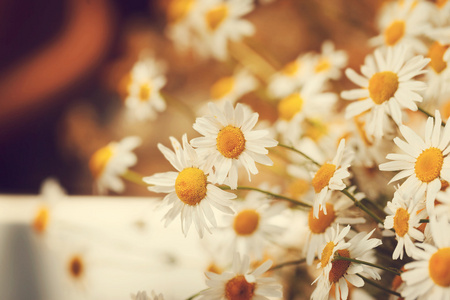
(62, 64)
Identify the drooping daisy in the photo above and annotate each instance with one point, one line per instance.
(253, 226)
(386, 87)
(228, 141)
(189, 191)
(342, 272)
(330, 177)
(425, 162)
(144, 99)
(403, 23)
(143, 296)
(107, 164)
(403, 216)
(337, 213)
(222, 21)
(240, 283)
(231, 88)
(428, 277)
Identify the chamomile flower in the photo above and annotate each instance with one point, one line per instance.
(342, 272)
(386, 87)
(425, 162)
(403, 216)
(221, 21)
(189, 191)
(107, 164)
(428, 277)
(330, 177)
(318, 228)
(253, 226)
(438, 76)
(144, 99)
(231, 88)
(240, 283)
(329, 63)
(403, 23)
(143, 296)
(228, 141)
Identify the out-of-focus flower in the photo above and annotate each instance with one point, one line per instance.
(329, 63)
(228, 141)
(386, 87)
(232, 88)
(143, 296)
(107, 164)
(241, 283)
(438, 75)
(425, 162)
(188, 190)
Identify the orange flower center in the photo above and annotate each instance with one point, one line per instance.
(323, 65)
(298, 188)
(178, 9)
(339, 267)
(324, 221)
(382, 86)
(222, 87)
(230, 141)
(290, 106)
(238, 288)
(394, 32)
(246, 222)
(429, 164)
(290, 69)
(215, 16)
(144, 92)
(323, 176)
(438, 267)
(40, 222)
(436, 53)
(190, 186)
(401, 222)
(99, 160)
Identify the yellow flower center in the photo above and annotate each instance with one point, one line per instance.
(323, 65)
(436, 53)
(382, 86)
(178, 9)
(238, 288)
(230, 141)
(144, 92)
(438, 267)
(246, 222)
(324, 221)
(290, 106)
(76, 266)
(290, 69)
(323, 176)
(326, 254)
(222, 87)
(298, 188)
(394, 32)
(40, 221)
(445, 110)
(190, 186)
(441, 3)
(339, 267)
(99, 160)
(214, 17)
(429, 164)
(401, 222)
(315, 129)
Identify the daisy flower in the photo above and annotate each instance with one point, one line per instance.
(240, 283)
(403, 216)
(144, 99)
(386, 87)
(428, 277)
(403, 23)
(222, 21)
(189, 191)
(143, 296)
(107, 164)
(329, 63)
(228, 141)
(342, 272)
(318, 228)
(254, 225)
(425, 162)
(438, 76)
(232, 88)
(330, 177)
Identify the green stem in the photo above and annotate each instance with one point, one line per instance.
(362, 206)
(133, 177)
(195, 295)
(288, 263)
(424, 221)
(373, 283)
(392, 270)
(299, 152)
(249, 188)
(430, 115)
